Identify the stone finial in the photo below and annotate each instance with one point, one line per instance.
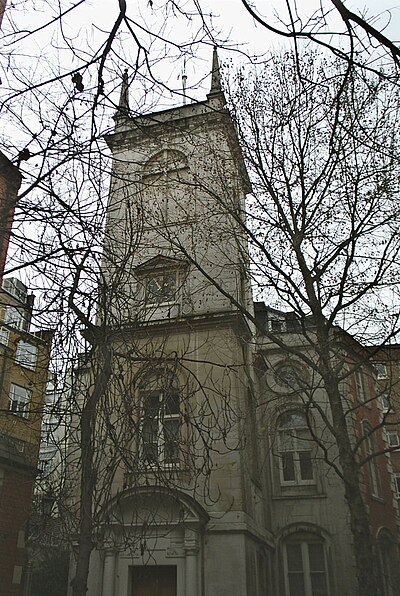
(123, 106)
(215, 74)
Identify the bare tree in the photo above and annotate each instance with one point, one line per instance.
(356, 37)
(60, 108)
(321, 144)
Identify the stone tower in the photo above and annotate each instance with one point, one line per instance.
(185, 515)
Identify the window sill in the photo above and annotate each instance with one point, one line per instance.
(25, 366)
(304, 484)
(299, 496)
(378, 499)
(149, 305)
(19, 415)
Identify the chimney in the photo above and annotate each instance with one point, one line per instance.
(10, 181)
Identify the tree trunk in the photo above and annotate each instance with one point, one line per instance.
(88, 474)
(85, 540)
(363, 543)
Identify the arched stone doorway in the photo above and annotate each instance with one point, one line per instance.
(152, 527)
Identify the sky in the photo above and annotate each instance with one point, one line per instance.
(228, 23)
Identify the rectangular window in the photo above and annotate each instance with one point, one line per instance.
(276, 324)
(160, 428)
(306, 468)
(295, 450)
(381, 370)
(13, 317)
(295, 570)
(385, 403)
(393, 438)
(45, 466)
(4, 336)
(360, 385)
(306, 569)
(288, 469)
(20, 399)
(397, 484)
(26, 355)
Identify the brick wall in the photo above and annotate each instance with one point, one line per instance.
(15, 501)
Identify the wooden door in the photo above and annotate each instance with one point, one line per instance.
(154, 580)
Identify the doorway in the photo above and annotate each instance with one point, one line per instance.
(153, 580)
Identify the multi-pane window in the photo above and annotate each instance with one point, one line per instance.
(160, 427)
(393, 438)
(14, 317)
(396, 477)
(166, 185)
(381, 370)
(45, 466)
(26, 355)
(295, 449)
(305, 568)
(276, 324)
(385, 403)
(4, 336)
(20, 399)
(360, 384)
(388, 562)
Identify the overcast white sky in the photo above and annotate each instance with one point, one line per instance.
(89, 22)
(55, 50)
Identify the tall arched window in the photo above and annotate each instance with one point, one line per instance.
(295, 449)
(388, 563)
(160, 428)
(305, 565)
(370, 450)
(166, 187)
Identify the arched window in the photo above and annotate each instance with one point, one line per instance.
(388, 563)
(167, 160)
(160, 428)
(166, 188)
(295, 449)
(305, 565)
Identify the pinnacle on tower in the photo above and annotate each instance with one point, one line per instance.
(123, 106)
(215, 74)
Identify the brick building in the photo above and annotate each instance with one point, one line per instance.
(386, 363)
(24, 361)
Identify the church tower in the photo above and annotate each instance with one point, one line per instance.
(185, 515)
(176, 208)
